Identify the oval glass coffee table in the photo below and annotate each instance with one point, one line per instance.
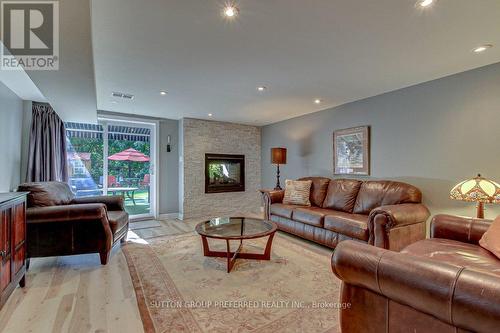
(239, 229)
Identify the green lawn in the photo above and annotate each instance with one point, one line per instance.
(141, 203)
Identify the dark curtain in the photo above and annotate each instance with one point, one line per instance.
(47, 146)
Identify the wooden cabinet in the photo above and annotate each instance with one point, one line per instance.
(12, 243)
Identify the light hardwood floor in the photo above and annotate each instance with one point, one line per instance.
(77, 294)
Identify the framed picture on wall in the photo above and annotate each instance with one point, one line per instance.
(351, 151)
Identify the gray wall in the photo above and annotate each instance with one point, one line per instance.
(169, 167)
(431, 135)
(11, 120)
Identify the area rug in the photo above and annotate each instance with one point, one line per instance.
(180, 290)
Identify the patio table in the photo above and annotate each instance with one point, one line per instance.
(128, 191)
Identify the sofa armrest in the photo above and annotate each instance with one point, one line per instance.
(274, 196)
(114, 202)
(269, 197)
(384, 219)
(66, 213)
(456, 295)
(401, 215)
(462, 229)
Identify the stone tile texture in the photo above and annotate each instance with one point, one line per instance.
(201, 137)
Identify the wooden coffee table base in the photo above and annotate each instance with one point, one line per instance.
(232, 256)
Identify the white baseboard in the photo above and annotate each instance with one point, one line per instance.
(170, 216)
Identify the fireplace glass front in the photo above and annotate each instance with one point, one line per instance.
(224, 173)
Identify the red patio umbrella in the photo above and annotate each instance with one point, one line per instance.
(129, 155)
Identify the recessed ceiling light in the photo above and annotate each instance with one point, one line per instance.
(424, 3)
(482, 48)
(317, 101)
(231, 11)
(261, 88)
(163, 92)
(210, 115)
(114, 102)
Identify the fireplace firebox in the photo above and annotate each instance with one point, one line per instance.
(224, 173)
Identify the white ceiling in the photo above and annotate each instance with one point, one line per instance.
(20, 83)
(336, 50)
(71, 89)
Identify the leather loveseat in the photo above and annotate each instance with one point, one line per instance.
(444, 284)
(59, 224)
(385, 214)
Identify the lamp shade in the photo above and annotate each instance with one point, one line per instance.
(477, 189)
(278, 155)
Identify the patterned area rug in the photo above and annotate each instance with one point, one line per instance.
(180, 290)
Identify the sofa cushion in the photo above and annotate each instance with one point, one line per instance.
(44, 194)
(117, 220)
(456, 253)
(283, 210)
(342, 194)
(310, 215)
(491, 238)
(319, 187)
(297, 192)
(352, 225)
(373, 194)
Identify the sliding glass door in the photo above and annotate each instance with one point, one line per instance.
(85, 158)
(115, 157)
(129, 165)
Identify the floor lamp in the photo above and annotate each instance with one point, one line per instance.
(278, 156)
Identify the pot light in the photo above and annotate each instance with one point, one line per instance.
(210, 115)
(482, 48)
(231, 11)
(163, 92)
(424, 3)
(317, 101)
(261, 88)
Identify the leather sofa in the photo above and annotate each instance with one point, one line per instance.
(385, 214)
(59, 224)
(444, 284)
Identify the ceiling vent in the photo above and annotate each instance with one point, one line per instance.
(122, 95)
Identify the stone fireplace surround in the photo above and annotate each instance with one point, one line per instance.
(199, 137)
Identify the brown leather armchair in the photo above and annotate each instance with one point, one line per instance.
(59, 224)
(444, 284)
